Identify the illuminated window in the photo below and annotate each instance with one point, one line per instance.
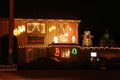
(36, 28)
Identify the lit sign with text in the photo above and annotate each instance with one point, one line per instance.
(93, 54)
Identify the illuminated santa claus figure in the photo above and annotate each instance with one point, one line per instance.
(87, 39)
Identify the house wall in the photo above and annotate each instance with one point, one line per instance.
(4, 26)
(63, 29)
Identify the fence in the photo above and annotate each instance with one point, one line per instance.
(12, 67)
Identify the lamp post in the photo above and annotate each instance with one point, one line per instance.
(11, 27)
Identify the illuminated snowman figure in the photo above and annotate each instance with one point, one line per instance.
(87, 39)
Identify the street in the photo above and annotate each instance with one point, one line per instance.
(60, 75)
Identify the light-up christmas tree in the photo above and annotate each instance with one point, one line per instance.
(106, 40)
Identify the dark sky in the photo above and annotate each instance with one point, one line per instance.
(95, 15)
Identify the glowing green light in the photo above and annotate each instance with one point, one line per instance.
(74, 51)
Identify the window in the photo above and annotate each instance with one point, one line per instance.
(36, 28)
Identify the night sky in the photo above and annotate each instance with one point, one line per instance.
(95, 15)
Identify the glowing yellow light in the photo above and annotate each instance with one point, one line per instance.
(52, 28)
(68, 54)
(36, 25)
(20, 29)
(23, 27)
(65, 54)
(43, 28)
(16, 32)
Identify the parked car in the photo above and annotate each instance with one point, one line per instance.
(100, 63)
(114, 63)
(44, 63)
